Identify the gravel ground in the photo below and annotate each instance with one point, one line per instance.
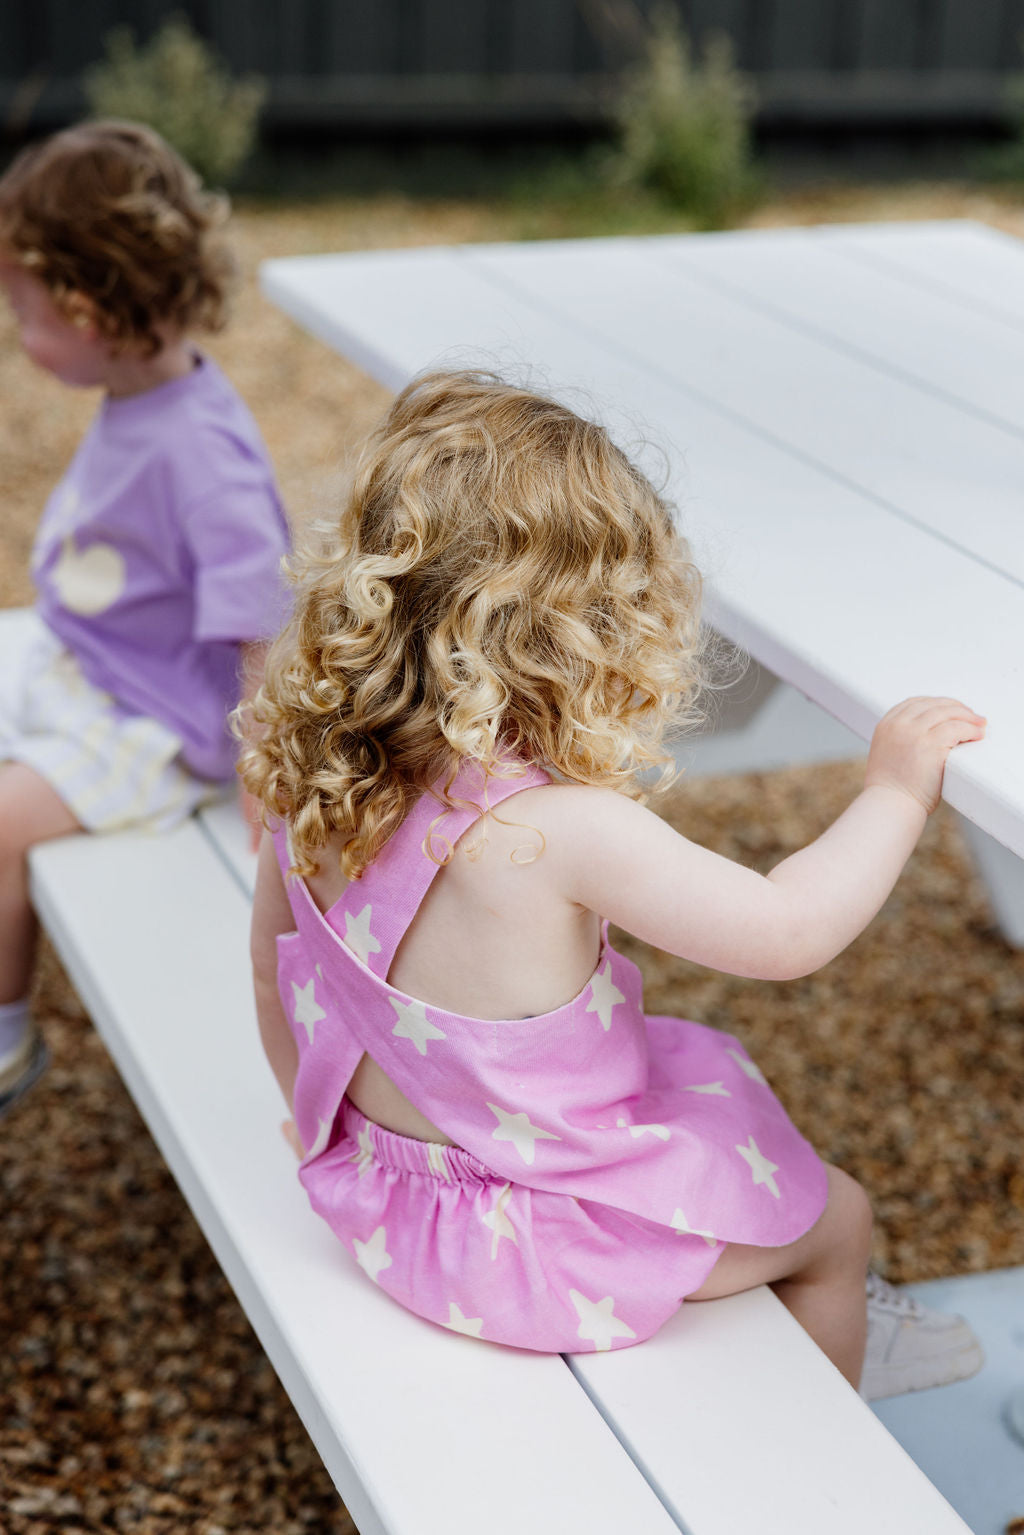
(136, 1397)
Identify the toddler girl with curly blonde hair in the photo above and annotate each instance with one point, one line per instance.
(484, 654)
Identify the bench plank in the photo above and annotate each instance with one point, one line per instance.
(424, 1432)
(741, 1423)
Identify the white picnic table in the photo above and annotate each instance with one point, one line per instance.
(838, 413)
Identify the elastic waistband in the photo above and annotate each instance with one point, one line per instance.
(387, 1149)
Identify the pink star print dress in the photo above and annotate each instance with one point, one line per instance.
(603, 1159)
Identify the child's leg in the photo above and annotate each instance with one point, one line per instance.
(820, 1278)
(30, 812)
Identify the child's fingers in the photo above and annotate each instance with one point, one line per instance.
(291, 1135)
(929, 704)
(950, 733)
(923, 713)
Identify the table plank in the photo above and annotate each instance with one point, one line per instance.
(923, 457)
(821, 582)
(819, 283)
(977, 265)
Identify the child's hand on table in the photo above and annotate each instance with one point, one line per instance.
(911, 743)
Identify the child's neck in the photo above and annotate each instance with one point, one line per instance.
(129, 373)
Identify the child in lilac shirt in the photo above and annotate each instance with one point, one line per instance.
(158, 555)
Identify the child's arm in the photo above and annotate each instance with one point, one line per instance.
(637, 871)
(271, 915)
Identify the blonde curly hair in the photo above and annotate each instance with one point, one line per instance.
(502, 585)
(109, 210)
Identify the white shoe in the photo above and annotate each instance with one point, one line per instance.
(910, 1347)
(20, 1066)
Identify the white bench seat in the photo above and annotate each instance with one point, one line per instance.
(729, 1420)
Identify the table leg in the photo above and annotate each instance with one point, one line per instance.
(1002, 874)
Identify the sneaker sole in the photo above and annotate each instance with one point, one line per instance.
(922, 1376)
(38, 1062)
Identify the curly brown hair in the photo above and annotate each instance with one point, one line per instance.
(502, 584)
(107, 209)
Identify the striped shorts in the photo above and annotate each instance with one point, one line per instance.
(112, 770)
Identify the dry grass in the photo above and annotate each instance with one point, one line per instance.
(137, 1397)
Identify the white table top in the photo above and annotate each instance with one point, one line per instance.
(839, 413)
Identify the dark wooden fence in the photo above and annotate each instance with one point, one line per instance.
(369, 65)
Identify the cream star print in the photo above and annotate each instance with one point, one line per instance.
(715, 1089)
(414, 1024)
(358, 937)
(662, 1132)
(499, 1222)
(682, 1225)
(518, 1129)
(760, 1167)
(605, 996)
(307, 1009)
(752, 1070)
(373, 1256)
(598, 1323)
(363, 1158)
(470, 1325)
(323, 1135)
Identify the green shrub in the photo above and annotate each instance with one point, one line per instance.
(177, 85)
(1005, 161)
(684, 123)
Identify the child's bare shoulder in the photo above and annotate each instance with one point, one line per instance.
(567, 811)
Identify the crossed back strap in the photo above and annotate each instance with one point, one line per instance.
(374, 912)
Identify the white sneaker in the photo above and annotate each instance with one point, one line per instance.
(910, 1347)
(20, 1066)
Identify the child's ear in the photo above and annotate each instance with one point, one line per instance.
(80, 310)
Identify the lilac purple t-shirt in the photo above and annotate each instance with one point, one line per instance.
(159, 554)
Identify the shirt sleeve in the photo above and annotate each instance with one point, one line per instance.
(238, 538)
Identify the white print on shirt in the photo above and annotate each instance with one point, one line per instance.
(605, 996)
(363, 1158)
(598, 1321)
(436, 1161)
(358, 937)
(90, 582)
(373, 1256)
(518, 1129)
(681, 1224)
(499, 1222)
(470, 1325)
(323, 1135)
(414, 1024)
(307, 1009)
(760, 1168)
(662, 1132)
(752, 1070)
